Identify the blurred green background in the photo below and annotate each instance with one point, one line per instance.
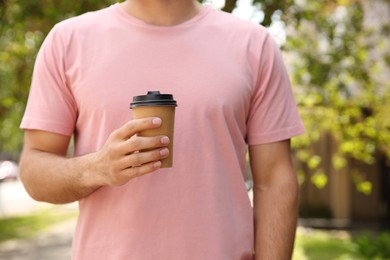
(338, 56)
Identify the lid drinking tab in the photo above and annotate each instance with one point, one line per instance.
(153, 92)
(153, 98)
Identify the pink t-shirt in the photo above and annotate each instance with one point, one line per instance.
(232, 89)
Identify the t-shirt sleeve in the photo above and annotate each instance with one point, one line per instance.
(51, 105)
(273, 114)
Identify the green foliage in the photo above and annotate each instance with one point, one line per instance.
(339, 66)
(339, 62)
(270, 8)
(23, 26)
(316, 244)
(319, 179)
(369, 246)
(21, 227)
(320, 244)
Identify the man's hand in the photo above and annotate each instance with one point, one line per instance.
(51, 177)
(126, 155)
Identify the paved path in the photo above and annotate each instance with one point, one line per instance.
(14, 200)
(52, 244)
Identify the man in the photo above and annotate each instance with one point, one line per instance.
(232, 89)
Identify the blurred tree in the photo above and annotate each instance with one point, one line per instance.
(339, 59)
(23, 26)
(338, 53)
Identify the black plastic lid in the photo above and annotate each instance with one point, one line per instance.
(153, 98)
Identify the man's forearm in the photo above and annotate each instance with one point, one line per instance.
(56, 179)
(275, 211)
(49, 176)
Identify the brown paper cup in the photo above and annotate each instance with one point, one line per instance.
(159, 105)
(167, 115)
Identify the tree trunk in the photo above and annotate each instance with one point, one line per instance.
(229, 6)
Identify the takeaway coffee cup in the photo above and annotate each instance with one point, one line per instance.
(159, 105)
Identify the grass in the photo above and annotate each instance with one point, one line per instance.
(340, 245)
(21, 227)
(323, 245)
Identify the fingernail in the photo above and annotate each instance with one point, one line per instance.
(164, 152)
(156, 121)
(157, 164)
(164, 140)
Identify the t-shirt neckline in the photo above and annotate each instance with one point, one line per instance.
(138, 22)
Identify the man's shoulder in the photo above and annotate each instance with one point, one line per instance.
(229, 22)
(85, 21)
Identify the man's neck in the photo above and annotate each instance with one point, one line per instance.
(162, 12)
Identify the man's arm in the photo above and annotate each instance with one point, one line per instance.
(48, 175)
(275, 200)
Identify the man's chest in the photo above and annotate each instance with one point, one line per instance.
(203, 79)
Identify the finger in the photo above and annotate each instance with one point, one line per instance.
(140, 158)
(142, 170)
(138, 143)
(137, 125)
(127, 174)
